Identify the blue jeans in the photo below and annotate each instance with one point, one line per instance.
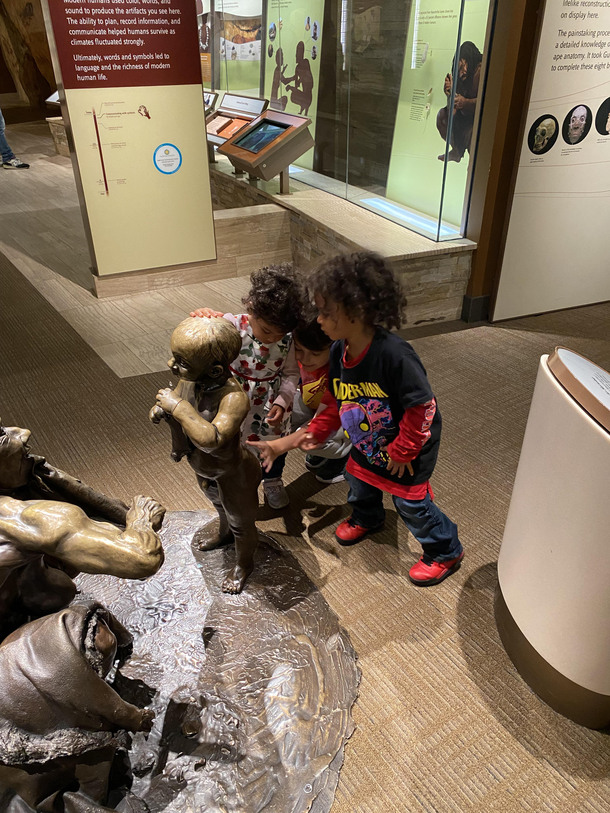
(433, 530)
(277, 467)
(5, 151)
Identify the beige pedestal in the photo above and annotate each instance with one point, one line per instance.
(553, 600)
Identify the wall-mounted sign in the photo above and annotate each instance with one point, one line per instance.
(130, 78)
(556, 253)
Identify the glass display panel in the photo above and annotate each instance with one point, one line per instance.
(392, 88)
(260, 136)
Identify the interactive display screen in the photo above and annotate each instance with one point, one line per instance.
(258, 138)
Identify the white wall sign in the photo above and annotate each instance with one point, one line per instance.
(557, 253)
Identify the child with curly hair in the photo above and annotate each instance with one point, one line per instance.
(266, 367)
(379, 393)
(312, 351)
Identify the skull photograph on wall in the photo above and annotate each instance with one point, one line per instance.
(543, 134)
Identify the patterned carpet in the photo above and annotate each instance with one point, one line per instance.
(444, 722)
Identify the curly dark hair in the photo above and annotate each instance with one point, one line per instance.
(310, 334)
(276, 296)
(365, 286)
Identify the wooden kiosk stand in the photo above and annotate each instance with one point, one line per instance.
(233, 115)
(269, 145)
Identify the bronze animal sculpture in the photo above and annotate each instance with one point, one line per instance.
(205, 412)
(61, 723)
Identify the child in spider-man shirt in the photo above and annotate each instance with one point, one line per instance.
(379, 393)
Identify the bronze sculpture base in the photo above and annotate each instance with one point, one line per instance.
(252, 692)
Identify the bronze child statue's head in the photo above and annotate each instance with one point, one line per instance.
(203, 349)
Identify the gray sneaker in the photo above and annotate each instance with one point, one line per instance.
(275, 493)
(15, 163)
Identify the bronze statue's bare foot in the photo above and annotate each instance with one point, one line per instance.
(145, 512)
(206, 540)
(235, 581)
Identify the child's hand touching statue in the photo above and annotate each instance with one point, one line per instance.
(207, 313)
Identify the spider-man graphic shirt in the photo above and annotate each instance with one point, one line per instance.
(372, 395)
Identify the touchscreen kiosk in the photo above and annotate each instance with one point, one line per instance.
(209, 102)
(233, 115)
(268, 145)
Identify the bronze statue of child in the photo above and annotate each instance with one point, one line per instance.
(205, 412)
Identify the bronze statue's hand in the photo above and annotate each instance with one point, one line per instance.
(206, 313)
(266, 451)
(447, 85)
(394, 467)
(148, 718)
(156, 414)
(168, 400)
(276, 413)
(145, 510)
(459, 102)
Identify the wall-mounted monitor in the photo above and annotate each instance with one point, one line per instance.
(269, 144)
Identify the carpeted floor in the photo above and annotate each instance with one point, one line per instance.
(444, 723)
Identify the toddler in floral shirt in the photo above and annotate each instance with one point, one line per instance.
(266, 367)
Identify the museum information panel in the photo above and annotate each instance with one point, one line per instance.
(131, 74)
(556, 253)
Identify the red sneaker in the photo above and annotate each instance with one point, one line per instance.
(425, 572)
(348, 533)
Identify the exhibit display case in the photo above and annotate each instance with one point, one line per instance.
(393, 92)
(269, 145)
(233, 115)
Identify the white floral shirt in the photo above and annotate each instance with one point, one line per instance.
(269, 375)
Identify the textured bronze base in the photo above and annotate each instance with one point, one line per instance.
(252, 692)
(581, 705)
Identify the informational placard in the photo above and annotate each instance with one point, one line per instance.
(416, 172)
(131, 78)
(292, 66)
(556, 253)
(240, 37)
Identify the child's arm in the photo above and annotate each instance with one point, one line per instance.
(325, 423)
(289, 381)
(413, 434)
(270, 449)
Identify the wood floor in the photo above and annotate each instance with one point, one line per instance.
(42, 235)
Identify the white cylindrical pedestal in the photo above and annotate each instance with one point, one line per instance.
(553, 600)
